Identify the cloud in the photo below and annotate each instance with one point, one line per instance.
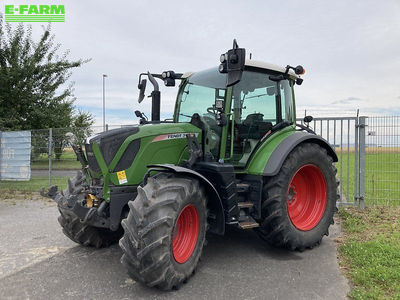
(346, 101)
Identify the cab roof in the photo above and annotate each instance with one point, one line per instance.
(260, 65)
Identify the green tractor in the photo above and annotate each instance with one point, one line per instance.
(232, 155)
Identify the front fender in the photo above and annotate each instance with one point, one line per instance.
(216, 218)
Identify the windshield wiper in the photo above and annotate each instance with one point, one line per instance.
(185, 115)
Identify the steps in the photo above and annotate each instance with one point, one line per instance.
(248, 224)
(245, 205)
(245, 220)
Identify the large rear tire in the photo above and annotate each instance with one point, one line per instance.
(165, 231)
(299, 202)
(77, 231)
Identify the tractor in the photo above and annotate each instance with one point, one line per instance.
(232, 155)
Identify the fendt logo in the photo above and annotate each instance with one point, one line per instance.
(34, 13)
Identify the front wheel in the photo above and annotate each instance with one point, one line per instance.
(299, 202)
(165, 231)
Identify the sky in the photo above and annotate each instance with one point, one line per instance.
(350, 49)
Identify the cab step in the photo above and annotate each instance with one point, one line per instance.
(242, 187)
(248, 224)
(245, 205)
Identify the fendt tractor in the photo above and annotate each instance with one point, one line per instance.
(232, 155)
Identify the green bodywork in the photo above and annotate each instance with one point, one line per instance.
(170, 151)
(157, 148)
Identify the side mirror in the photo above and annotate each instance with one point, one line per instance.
(308, 119)
(142, 88)
(232, 63)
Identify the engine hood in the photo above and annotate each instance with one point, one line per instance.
(129, 139)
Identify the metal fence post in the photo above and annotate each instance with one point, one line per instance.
(106, 127)
(50, 152)
(361, 174)
(356, 171)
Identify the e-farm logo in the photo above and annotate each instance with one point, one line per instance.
(34, 13)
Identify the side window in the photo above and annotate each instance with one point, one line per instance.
(287, 100)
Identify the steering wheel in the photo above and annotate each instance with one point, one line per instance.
(211, 110)
(210, 120)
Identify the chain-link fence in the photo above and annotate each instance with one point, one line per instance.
(52, 165)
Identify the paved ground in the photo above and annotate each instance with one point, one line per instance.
(54, 173)
(38, 262)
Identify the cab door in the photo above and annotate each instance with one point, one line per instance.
(255, 108)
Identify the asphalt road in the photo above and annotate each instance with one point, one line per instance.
(54, 173)
(38, 262)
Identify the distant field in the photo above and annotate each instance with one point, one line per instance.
(382, 175)
(66, 162)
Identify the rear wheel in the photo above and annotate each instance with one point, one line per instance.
(299, 202)
(165, 231)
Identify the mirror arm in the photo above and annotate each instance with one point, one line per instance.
(153, 81)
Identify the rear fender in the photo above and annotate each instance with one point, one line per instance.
(280, 153)
(216, 218)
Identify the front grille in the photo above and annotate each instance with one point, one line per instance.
(129, 155)
(110, 141)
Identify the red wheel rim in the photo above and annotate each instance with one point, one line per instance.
(306, 197)
(185, 234)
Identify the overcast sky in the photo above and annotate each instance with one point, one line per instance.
(350, 49)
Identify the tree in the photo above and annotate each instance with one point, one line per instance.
(34, 88)
(80, 127)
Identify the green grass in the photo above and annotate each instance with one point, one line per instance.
(33, 185)
(370, 251)
(382, 177)
(67, 161)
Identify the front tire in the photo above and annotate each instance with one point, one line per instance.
(165, 231)
(299, 202)
(77, 231)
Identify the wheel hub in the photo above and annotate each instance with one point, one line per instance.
(306, 197)
(185, 233)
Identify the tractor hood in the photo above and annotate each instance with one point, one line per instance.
(119, 147)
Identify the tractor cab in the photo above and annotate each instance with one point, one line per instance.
(239, 117)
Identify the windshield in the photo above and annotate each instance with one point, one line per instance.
(199, 95)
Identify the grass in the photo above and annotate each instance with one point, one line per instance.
(33, 185)
(382, 177)
(369, 251)
(67, 161)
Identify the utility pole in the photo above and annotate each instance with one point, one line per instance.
(104, 102)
